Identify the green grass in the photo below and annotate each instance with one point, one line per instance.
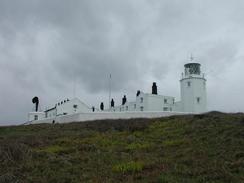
(128, 167)
(201, 148)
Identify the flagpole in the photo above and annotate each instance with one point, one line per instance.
(109, 97)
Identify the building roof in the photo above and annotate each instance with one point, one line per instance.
(50, 109)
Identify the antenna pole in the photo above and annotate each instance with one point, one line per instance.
(74, 87)
(191, 58)
(109, 96)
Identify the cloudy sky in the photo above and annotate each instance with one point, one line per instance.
(50, 47)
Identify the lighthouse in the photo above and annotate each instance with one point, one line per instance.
(193, 89)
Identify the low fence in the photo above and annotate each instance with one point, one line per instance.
(81, 117)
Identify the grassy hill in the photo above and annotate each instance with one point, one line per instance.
(201, 148)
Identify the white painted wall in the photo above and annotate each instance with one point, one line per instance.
(177, 106)
(190, 94)
(51, 113)
(147, 102)
(158, 102)
(69, 107)
(33, 116)
(80, 117)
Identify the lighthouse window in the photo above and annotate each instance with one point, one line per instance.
(134, 106)
(188, 83)
(165, 101)
(141, 100)
(165, 108)
(141, 108)
(198, 99)
(36, 117)
(127, 108)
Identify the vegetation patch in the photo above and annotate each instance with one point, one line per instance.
(138, 146)
(129, 167)
(174, 142)
(54, 149)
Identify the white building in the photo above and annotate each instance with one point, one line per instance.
(65, 107)
(193, 100)
(193, 95)
(147, 102)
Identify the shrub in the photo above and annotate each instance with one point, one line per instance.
(171, 143)
(14, 152)
(54, 149)
(129, 167)
(137, 146)
(6, 178)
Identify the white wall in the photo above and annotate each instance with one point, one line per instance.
(51, 113)
(177, 106)
(189, 94)
(79, 117)
(159, 102)
(147, 102)
(68, 107)
(39, 115)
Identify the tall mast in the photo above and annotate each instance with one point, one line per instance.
(74, 85)
(109, 97)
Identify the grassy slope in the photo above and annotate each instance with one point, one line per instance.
(202, 148)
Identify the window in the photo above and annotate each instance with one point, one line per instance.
(36, 117)
(198, 100)
(141, 100)
(127, 108)
(165, 108)
(134, 106)
(141, 108)
(188, 83)
(165, 101)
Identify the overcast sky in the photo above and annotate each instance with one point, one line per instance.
(48, 45)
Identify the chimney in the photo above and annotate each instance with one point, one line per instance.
(102, 106)
(138, 93)
(124, 100)
(154, 88)
(112, 103)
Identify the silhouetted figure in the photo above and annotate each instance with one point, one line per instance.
(112, 103)
(102, 106)
(93, 109)
(35, 100)
(124, 100)
(138, 93)
(154, 88)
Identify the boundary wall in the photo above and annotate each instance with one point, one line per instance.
(82, 117)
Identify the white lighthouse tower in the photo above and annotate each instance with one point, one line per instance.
(193, 89)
